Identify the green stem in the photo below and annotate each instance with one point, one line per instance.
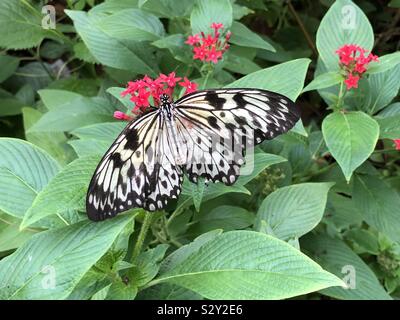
(341, 96)
(148, 219)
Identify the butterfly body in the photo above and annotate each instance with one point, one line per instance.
(203, 134)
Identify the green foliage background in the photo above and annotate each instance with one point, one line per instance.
(320, 209)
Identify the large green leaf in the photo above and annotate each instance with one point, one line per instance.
(324, 80)
(379, 204)
(205, 13)
(24, 171)
(389, 127)
(385, 63)
(67, 190)
(336, 257)
(51, 263)
(286, 78)
(8, 64)
(351, 138)
(344, 23)
(133, 24)
(243, 36)
(126, 55)
(10, 235)
(224, 217)
(381, 89)
(71, 110)
(20, 25)
(294, 210)
(247, 265)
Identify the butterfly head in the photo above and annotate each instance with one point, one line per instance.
(164, 98)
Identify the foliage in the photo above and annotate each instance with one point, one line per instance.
(318, 208)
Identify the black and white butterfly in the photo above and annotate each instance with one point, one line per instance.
(145, 165)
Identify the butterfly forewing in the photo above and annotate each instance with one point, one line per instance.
(205, 134)
(222, 124)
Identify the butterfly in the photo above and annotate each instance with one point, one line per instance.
(196, 135)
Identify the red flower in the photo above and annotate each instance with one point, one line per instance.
(142, 99)
(190, 86)
(209, 47)
(213, 55)
(351, 81)
(217, 26)
(141, 90)
(121, 116)
(397, 143)
(200, 53)
(170, 80)
(354, 63)
(192, 40)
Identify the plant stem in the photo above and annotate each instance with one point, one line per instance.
(148, 218)
(340, 98)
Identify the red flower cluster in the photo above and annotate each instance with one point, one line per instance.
(209, 47)
(143, 89)
(354, 61)
(397, 143)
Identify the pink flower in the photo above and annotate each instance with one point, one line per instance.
(354, 63)
(170, 80)
(141, 90)
(142, 99)
(121, 116)
(209, 47)
(213, 55)
(190, 86)
(200, 53)
(397, 143)
(192, 40)
(351, 81)
(217, 26)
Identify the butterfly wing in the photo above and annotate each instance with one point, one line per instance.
(218, 125)
(135, 171)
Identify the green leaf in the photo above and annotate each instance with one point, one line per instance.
(243, 36)
(226, 218)
(336, 257)
(52, 142)
(389, 127)
(239, 64)
(385, 63)
(344, 23)
(25, 170)
(379, 204)
(70, 111)
(255, 165)
(21, 25)
(381, 89)
(294, 210)
(324, 80)
(8, 65)
(277, 78)
(351, 138)
(132, 24)
(89, 147)
(67, 190)
(342, 212)
(51, 263)
(10, 106)
(126, 55)
(205, 13)
(147, 265)
(107, 131)
(231, 263)
(10, 236)
(175, 43)
(116, 93)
